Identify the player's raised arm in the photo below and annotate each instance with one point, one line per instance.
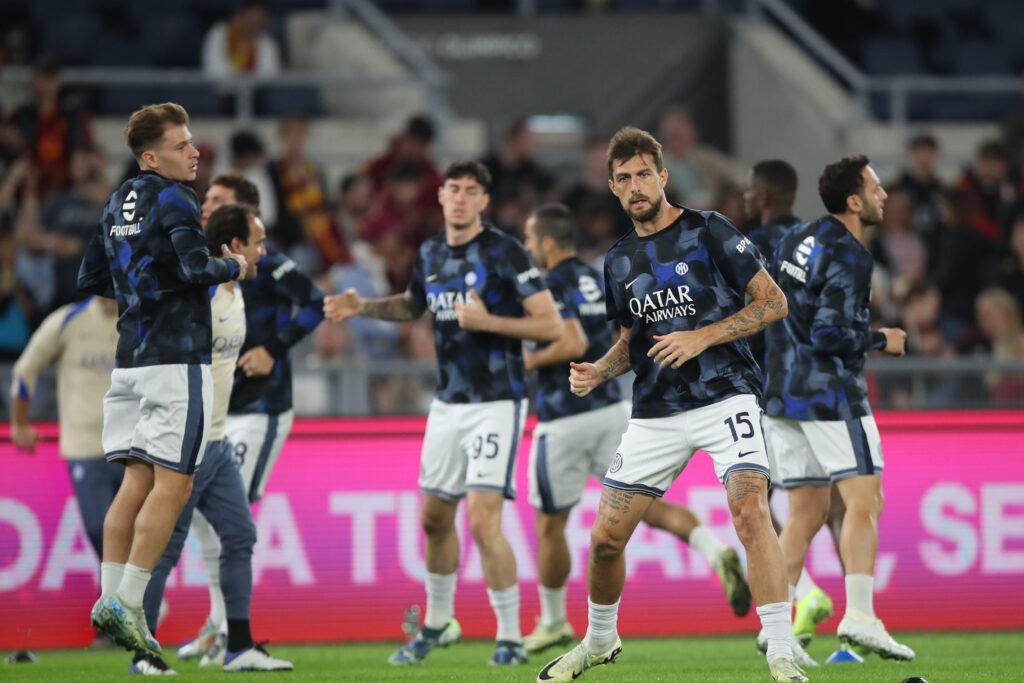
(541, 322)
(398, 308)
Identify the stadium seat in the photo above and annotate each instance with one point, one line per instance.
(72, 38)
(172, 40)
(977, 57)
(280, 100)
(124, 99)
(118, 51)
(892, 56)
(199, 100)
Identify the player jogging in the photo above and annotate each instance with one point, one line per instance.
(485, 295)
(151, 255)
(576, 437)
(819, 424)
(676, 286)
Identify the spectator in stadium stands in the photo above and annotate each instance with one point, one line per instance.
(520, 183)
(1009, 274)
(355, 197)
(590, 191)
(51, 126)
(988, 180)
(930, 333)
(59, 230)
(729, 202)
(599, 230)
(999, 320)
(17, 172)
(247, 158)
(920, 180)
(845, 23)
(303, 216)
(696, 172)
(410, 146)
(204, 169)
(16, 308)
(961, 263)
(899, 247)
(242, 45)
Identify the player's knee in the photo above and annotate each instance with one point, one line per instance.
(750, 517)
(484, 529)
(604, 546)
(550, 527)
(240, 538)
(435, 524)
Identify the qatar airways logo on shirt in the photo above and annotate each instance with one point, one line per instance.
(663, 304)
(442, 304)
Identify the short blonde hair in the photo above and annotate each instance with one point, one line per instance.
(146, 126)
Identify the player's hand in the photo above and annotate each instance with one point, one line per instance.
(337, 307)
(257, 362)
(24, 437)
(674, 349)
(473, 314)
(895, 341)
(243, 265)
(583, 378)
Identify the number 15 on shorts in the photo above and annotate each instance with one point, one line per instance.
(740, 426)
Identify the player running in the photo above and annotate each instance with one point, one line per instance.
(485, 296)
(676, 285)
(576, 437)
(819, 424)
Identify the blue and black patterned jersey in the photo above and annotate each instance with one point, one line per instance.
(474, 367)
(689, 275)
(766, 238)
(150, 253)
(815, 356)
(282, 306)
(578, 293)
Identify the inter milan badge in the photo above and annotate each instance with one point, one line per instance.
(681, 268)
(470, 278)
(616, 464)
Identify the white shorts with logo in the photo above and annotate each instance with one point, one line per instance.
(819, 452)
(654, 451)
(159, 414)
(471, 447)
(257, 439)
(565, 451)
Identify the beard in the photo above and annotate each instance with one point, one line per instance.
(871, 215)
(648, 215)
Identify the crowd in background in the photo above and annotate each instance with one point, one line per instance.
(949, 253)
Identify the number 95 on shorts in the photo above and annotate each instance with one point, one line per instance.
(471, 447)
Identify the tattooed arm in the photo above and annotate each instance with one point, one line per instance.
(767, 304)
(397, 308)
(585, 377)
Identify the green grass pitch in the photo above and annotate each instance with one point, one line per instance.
(941, 658)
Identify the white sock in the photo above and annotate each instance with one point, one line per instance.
(440, 599)
(706, 543)
(111, 574)
(792, 593)
(552, 605)
(804, 585)
(209, 547)
(777, 625)
(133, 585)
(860, 593)
(602, 626)
(505, 603)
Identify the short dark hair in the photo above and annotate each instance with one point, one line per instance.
(470, 169)
(245, 143)
(555, 221)
(923, 139)
(419, 127)
(779, 177)
(993, 149)
(348, 182)
(245, 190)
(840, 180)
(227, 223)
(146, 126)
(629, 142)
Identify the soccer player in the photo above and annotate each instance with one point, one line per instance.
(150, 254)
(577, 436)
(218, 491)
(485, 296)
(81, 338)
(769, 198)
(818, 423)
(282, 306)
(676, 284)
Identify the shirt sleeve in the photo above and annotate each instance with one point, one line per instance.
(417, 289)
(835, 329)
(524, 274)
(288, 283)
(94, 274)
(42, 350)
(615, 310)
(736, 256)
(179, 215)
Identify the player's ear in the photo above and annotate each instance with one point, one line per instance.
(663, 175)
(854, 203)
(485, 201)
(148, 160)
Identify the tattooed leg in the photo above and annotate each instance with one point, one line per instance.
(766, 570)
(617, 517)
